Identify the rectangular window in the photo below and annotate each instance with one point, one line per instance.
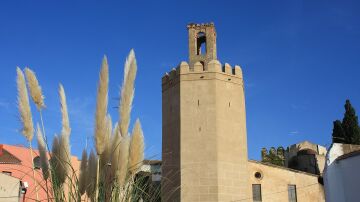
(292, 193)
(6, 173)
(256, 189)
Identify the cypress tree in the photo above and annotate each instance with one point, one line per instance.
(338, 135)
(350, 125)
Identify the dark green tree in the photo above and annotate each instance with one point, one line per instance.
(350, 125)
(338, 135)
(274, 156)
(347, 131)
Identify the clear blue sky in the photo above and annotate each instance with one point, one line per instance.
(300, 61)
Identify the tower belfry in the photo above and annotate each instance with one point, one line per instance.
(204, 146)
(202, 43)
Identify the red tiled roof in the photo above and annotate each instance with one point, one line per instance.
(7, 158)
(23, 170)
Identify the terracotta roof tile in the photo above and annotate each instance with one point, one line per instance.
(7, 158)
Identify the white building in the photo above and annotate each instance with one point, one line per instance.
(10, 188)
(341, 173)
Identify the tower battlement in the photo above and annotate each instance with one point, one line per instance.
(197, 25)
(214, 66)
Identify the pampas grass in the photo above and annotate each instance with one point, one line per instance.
(64, 112)
(61, 145)
(56, 163)
(101, 108)
(24, 106)
(91, 175)
(35, 89)
(36, 95)
(43, 153)
(115, 150)
(105, 156)
(64, 141)
(26, 117)
(136, 155)
(64, 156)
(100, 115)
(127, 93)
(44, 161)
(55, 152)
(123, 160)
(109, 172)
(83, 173)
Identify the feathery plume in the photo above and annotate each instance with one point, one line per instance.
(83, 174)
(127, 93)
(62, 151)
(91, 175)
(136, 155)
(56, 162)
(104, 157)
(60, 160)
(24, 106)
(123, 160)
(115, 149)
(43, 153)
(64, 156)
(106, 175)
(101, 107)
(35, 89)
(64, 112)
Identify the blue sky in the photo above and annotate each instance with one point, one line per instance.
(300, 61)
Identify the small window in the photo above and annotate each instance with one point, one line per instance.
(256, 189)
(292, 193)
(258, 175)
(7, 173)
(36, 161)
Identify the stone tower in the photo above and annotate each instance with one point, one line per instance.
(204, 148)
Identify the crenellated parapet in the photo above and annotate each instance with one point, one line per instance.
(214, 70)
(200, 25)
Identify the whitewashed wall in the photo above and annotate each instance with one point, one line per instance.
(341, 177)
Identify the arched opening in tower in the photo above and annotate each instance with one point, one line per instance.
(201, 43)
